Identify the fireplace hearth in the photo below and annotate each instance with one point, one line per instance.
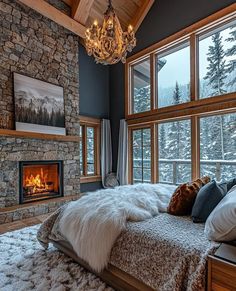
(40, 180)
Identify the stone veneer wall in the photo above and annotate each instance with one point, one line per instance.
(34, 45)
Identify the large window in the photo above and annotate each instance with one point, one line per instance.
(197, 65)
(89, 149)
(141, 152)
(181, 106)
(173, 78)
(174, 140)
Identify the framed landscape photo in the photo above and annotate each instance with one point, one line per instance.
(39, 106)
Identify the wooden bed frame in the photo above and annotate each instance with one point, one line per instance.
(112, 275)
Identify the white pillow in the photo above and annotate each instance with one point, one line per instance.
(221, 223)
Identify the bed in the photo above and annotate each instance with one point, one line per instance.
(164, 253)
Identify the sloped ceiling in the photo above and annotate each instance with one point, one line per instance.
(84, 12)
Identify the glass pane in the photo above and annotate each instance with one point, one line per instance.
(90, 143)
(90, 151)
(90, 132)
(217, 56)
(81, 131)
(146, 157)
(173, 76)
(90, 156)
(174, 140)
(137, 156)
(218, 146)
(141, 87)
(137, 175)
(165, 170)
(137, 138)
(146, 136)
(142, 155)
(90, 169)
(146, 175)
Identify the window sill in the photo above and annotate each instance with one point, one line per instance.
(90, 179)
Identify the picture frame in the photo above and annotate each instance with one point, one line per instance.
(39, 106)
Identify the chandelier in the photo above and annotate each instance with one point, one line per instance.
(108, 43)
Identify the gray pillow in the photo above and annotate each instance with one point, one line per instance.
(207, 199)
(231, 183)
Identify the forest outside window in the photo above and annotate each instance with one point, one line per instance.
(141, 95)
(195, 67)
(174, 140)
(192, 105)
(217, 61)
(141, 153)
(89, 149)
(173, 77)
(218, 146)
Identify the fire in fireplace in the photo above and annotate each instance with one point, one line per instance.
(40, 180)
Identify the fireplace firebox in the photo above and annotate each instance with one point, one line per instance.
(40, 180)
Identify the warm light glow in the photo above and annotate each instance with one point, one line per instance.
(130, 28)
(37, 182)
(108, 43)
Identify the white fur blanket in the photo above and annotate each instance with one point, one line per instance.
(93, 223)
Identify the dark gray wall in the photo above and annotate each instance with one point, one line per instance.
(94, 86)
(164, 19)
(90, 187)
(117, 106)
(94, 95)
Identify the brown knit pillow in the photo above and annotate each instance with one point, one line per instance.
(182, 200)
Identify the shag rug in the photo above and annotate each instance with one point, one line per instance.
(24, 266)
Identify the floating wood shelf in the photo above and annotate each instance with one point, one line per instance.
(35, 135)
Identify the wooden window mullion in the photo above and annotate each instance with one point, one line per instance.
(195, 147)
(193, 68)
(85, 151)
(153, 81)
(154, 155)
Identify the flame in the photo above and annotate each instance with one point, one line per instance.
(38, 182)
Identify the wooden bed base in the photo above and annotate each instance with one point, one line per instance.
(112, 275)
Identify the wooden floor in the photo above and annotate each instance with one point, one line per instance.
(22, 223)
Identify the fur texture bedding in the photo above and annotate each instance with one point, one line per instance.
(93, 223)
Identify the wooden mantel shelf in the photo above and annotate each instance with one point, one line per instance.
(35, 135)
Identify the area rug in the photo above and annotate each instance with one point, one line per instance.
(24, 265)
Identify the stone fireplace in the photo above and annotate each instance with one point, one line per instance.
(40, 180)
(39, 48)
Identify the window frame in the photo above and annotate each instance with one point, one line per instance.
(194, 109)
(189, 34)
(130, 150)
(95, 123)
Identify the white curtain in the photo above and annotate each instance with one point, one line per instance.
(106, 149)
(122, 163)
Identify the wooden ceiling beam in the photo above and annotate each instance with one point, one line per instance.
(81, 9)
(56, 15)
(68, 2)
(140, 15)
